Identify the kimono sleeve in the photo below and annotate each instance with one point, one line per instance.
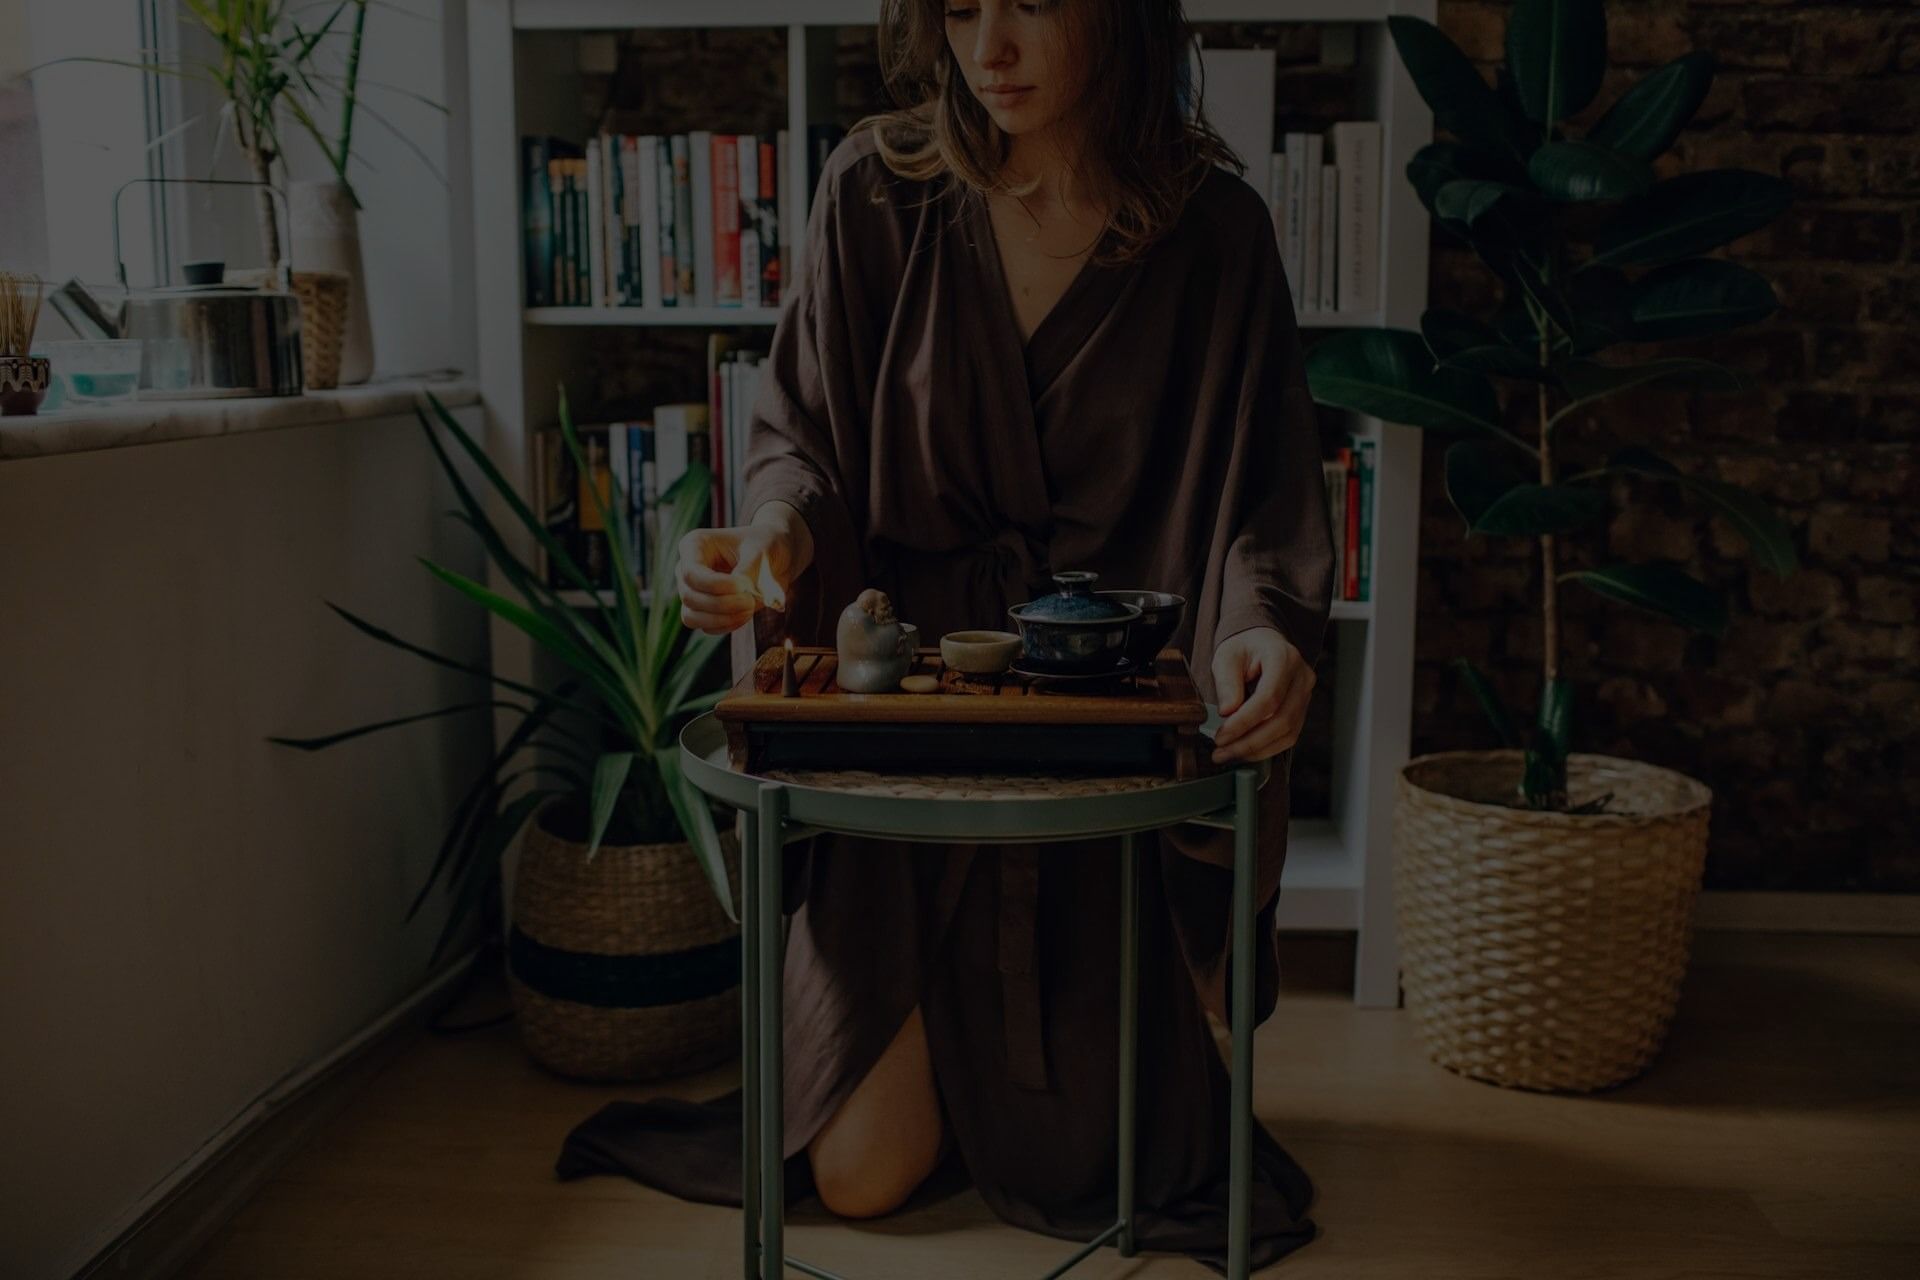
(806, 437)
(1278, 567)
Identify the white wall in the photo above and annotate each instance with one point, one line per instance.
(189, 913)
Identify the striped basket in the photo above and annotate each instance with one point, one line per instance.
(1545, 950)
(324, 296)
(623, 967)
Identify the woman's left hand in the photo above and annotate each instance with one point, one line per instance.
(1263, 686)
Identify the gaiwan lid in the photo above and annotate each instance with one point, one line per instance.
(1075, 602)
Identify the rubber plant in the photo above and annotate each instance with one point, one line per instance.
(1593, 253)
(603, 741)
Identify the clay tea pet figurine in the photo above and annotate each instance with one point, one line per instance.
(875, 648)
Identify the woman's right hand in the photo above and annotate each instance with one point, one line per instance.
(718, 568)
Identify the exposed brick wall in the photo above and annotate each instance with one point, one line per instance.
(1805, 717)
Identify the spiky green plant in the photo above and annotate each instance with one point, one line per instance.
(1526, 196)
(604, 739)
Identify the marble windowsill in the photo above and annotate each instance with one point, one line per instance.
(80, 430)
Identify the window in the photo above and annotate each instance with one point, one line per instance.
(23, 208)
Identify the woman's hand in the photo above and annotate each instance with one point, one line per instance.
(719, 567)
(1264, 687)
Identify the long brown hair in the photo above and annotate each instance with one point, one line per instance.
(1141, 151)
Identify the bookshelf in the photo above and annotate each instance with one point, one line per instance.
(522, 65)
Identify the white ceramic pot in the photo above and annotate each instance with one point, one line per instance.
(326, 237)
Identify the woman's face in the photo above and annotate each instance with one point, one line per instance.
(1017, 60)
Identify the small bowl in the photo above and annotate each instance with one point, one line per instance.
(97, 370)
(979, 653)
(1160, 615)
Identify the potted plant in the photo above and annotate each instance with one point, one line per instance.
(1544, 898)
(623, 958)
(23, 375)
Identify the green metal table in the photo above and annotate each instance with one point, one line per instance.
(785, 810)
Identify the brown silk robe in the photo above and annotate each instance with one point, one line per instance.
(1156, 428)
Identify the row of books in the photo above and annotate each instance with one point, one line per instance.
(1324, 194)
(1323, 190)
(1349, 479)
(680, 220)
(639, 460)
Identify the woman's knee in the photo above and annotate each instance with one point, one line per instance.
(887, 1137)
(867, 1184)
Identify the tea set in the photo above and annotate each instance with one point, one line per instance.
(1075, 635)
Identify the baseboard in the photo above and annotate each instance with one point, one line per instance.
(177, 1218)
(1781, 912)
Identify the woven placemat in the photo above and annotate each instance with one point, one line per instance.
(965, 786)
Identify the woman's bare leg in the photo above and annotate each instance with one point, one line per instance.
(887, 1136)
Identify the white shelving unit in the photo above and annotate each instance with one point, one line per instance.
(521, 66)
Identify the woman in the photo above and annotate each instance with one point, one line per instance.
(1038, 328)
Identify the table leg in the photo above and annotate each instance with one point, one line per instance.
(750, 1050)
(1240, 1186)
(772, 950)
(1129, 1030)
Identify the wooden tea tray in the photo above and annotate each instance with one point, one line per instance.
(1148, 722)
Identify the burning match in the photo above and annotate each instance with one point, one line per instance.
(764, 588)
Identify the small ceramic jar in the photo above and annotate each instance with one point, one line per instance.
(875, 649)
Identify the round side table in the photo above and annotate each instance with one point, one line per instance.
(792, 805)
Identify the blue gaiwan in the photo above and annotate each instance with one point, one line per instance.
(1074, 631)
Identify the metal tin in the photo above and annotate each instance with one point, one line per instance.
(215, 341)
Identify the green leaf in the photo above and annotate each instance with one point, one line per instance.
(1390, 374)
(1585, 171)
(682, 509)
(1438, 163)
(693, 659)
(1689, 215)
(1766, 533)
(1536, 510)
(1463, 103)
(1662, 589)
(1458, 341)
(1649, 116)
(1495, 497)
(691, 807)
(1478, 474)
(1471, 199)
(320, 744)
(1557, 52)
(1545, 779)
(1490, 702)
(1589, 380)
(1601, 301)
(1698, 297)
(609, 776)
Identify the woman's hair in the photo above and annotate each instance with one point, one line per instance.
(1141, 150)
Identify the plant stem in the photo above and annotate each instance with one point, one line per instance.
(269, 224)
(1550, 635)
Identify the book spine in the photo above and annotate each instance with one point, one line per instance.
(1296, 216)
(747, 175)
(646, 248)
(701, 178)
(637, 190)
(665, 258)
(1310, 237)
(767, 219)
(537, 222)
(596, 225)
(1329, 233)
(1350, 586)
(583, 277)
(783, 173)
(598, 479)
(685, 292)
(1359, 159)
(726, 220)
(1366, 520)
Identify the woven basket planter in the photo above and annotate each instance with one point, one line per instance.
(623, 967)
(1545, 950)
(324, 298)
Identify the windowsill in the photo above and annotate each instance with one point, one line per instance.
(82, 429)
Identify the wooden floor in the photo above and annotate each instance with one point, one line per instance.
(1777, 1135)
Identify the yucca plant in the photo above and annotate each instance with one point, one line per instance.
(604, 742)
(1593, 253)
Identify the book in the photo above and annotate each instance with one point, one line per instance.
(536, 221)
(724, 201)
(746, 216)
(1350, 583)
(1365, 576)
(686, 291)
(700, 148)
(766, 219)
(1311, 160)
(1329, 300)
(596, 224)
(1357, 152)
(783, 172)
(718, 345)
(649, 249)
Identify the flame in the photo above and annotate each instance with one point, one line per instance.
(766, 588)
